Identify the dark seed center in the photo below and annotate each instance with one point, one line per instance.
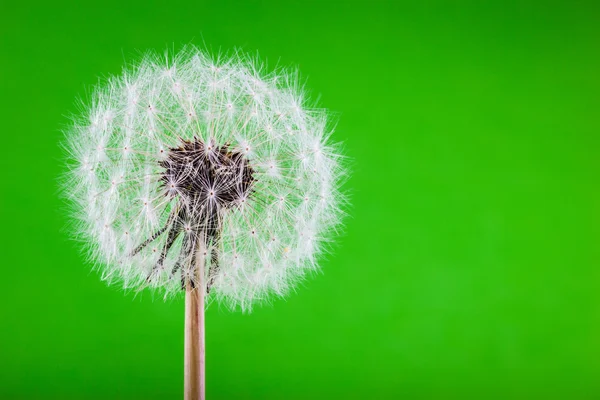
(207, 176)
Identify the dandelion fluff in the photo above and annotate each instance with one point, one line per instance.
(185, 156)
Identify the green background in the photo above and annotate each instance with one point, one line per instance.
(468, 267)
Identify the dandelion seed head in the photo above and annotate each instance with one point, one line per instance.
(185, 161)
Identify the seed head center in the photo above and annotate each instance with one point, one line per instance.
(207, 175)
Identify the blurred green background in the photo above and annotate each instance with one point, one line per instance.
(469, 267)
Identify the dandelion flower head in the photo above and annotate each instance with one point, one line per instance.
(187, 163)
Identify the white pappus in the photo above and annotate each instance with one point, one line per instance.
(186, 161)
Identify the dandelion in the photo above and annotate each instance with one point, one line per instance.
(209, 176)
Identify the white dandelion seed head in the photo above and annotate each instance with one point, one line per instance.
(188, 164)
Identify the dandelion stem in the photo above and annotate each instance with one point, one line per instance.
(194, 358)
